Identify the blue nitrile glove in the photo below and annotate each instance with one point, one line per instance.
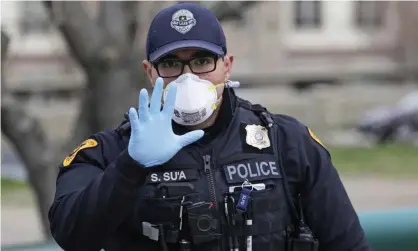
(153, 141)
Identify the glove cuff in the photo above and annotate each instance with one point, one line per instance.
(131, 169)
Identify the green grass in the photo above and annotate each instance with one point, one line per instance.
(15, 193)
(389, 161)
(9, 185)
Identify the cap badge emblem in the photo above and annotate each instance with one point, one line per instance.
(183, 21)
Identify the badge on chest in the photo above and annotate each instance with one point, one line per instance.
(257, 136)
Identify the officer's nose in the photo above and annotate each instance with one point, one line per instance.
(187, 69)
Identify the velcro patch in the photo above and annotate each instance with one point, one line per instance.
(89, 143)
(173, 176)
(252, 170)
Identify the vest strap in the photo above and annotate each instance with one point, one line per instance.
(267, 119)
(258, 109)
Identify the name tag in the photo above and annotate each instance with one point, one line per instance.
(252, 170)
(173, 176)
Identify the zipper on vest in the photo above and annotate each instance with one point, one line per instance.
(209, 176)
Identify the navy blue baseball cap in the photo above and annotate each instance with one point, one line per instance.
(184, 25)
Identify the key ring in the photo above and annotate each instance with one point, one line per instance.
(247, 183)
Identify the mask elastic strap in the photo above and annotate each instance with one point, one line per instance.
(215, 105)
(228, 84)
(212, 88)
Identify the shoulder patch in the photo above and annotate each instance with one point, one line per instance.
(315, 137)
(89, 143)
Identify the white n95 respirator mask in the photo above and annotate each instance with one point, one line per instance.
(196, 99)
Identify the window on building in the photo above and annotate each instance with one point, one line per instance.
(370, 14)
(34, 18)
(308, 14)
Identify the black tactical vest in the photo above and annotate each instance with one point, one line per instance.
(194, 184)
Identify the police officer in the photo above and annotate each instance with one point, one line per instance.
(198, 168)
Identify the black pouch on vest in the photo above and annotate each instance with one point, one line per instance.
(204, 222)
(304, 240)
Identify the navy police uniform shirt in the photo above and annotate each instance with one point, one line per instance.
(96, 189)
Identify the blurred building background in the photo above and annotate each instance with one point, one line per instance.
(364, 52)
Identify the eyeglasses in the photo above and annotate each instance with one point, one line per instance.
(171, 68)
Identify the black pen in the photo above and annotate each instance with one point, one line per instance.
(248, 224)
(228, 219)
(233, 221)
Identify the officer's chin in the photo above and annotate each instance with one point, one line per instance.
(205, 124)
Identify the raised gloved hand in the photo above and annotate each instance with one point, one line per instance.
(152, 140)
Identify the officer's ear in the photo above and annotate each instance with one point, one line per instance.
(228, 61)
(148, 70)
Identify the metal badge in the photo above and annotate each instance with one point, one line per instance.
(257, 136)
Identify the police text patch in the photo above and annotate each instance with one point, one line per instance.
(251, 170)
(173, 176)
